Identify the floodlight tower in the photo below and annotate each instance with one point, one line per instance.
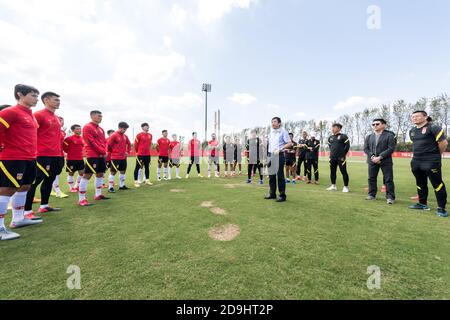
(206, 88)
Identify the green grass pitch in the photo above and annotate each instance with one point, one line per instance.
(151, 243)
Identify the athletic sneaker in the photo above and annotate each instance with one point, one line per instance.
(200, 176)
(165, 179)
(209, 176)
(74, 190)
(332, 188)
(124, 188)
(441, 213)
(148, 183)
(309, 182)
(345, 190)
(261, 181)
(111, 190)
(293, 181)
(48, 209)
(179, 178)
(390, 201)
(187, 176)
(316, 182)
(101, 197)
(137, 185)
(32, 216)
(371, 198)
(5, 235)
(288, 181)
(84, 203)
(24, 223)
(62, 195)
(159, 179)
(217, 175)
(169, 178)
(249, 181)
(419, 206)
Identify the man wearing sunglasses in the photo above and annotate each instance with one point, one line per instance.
(379, 147)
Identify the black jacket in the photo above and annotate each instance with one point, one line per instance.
(385, 147)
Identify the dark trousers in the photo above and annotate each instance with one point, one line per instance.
(46, 189)
(342, 164)
(312, 166)
(194, 159)
(424, 170)
(299, 166)
(387, 167)
(142, 162)
(252, 170)
(276, 174)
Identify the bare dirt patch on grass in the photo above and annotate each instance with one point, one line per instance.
(226, 232)
(219, 211)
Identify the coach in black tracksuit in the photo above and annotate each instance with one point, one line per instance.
(302, 154)
(312, 158)
(339, 145)
(429, 142)
(379, 147)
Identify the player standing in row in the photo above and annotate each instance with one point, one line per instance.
(213, 159)
(237, 156)
(18, 136)
(339, 146)
(119, 146)
(228, 155)
(175, 156)
(254, 151)
(301, 147)
(74, 146)
(312, 158)
(163, 148)
(95, 146)
(290, 160)
(56, 187)
(143, 146)
(49, 150)
(194, 151)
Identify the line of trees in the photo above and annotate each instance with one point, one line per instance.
(358, 125)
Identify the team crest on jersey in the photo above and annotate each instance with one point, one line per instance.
(19, 176)
(95, 165)
(424, 130)
(413, 134)
(339, 137)
(71, 167)
(47, 168)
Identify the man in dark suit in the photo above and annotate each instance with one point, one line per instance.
(379, 147)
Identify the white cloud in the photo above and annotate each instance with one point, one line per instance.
(212, 11)
(357, 103)
(243, 98)
(301, 115)
(178, 16)
(273, 106)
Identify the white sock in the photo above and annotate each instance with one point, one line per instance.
(177, 170)
(18, 205)
(209, 169)
(122, 180)
(140, 176)
(4, 200)
(56, 186)
(158, 173)
(44, 206)
(111, 181)
(83, 187)
(70, 181)
(165, 172)
(98, 186)
(78, 182)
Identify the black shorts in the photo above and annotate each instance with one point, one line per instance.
(174, 161)
(49, 166)
(290, 162)
(143, 160)
(73, 166)
(118, 165)
(95, 165)
(163, 159)
(17, 173)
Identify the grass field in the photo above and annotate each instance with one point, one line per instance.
(151, 243)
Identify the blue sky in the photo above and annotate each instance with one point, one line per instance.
(146, 60)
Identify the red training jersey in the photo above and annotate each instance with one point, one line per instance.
(213, 145)
(48, 134)
(63, 137)
(74, 147)
(94, 140)
(143, 144)
(175, 150)
(119, 145)
(194, 148)
(163, 146)
(18, 133)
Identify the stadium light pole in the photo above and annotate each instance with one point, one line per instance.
(206, 88)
